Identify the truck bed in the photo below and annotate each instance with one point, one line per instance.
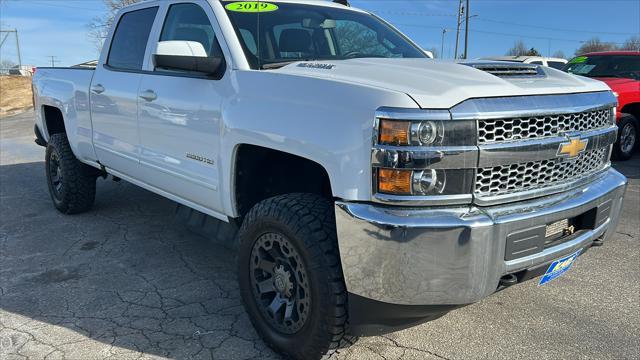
(67, 91)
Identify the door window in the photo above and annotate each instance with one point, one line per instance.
(189, 22)
(130, 39)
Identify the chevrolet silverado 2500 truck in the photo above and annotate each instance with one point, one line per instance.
(374, 188)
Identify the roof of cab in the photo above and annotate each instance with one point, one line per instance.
(326, 3)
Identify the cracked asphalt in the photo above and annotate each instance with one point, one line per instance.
(125, 281)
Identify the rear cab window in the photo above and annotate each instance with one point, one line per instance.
(130, 39)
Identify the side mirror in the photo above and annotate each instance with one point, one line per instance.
(186, 55)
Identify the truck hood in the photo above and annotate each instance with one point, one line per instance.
(438, 84)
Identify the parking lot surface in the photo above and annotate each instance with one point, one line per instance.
(125, 281)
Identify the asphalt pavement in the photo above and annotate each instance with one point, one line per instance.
(125, 281)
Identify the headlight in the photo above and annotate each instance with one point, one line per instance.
(427, 182)
(423, 157)
(426, 133)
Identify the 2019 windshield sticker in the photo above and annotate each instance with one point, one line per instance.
(251, 6)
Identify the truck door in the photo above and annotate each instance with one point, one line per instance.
(180, 115)
(114, 93)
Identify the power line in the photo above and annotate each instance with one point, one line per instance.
(556, 29)
(414, 13)
(505, 34)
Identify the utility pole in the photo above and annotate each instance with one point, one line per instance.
(444, 31)
(460, 12)
(466, 32)
(53, 60)
(18, 48)
(7, 33)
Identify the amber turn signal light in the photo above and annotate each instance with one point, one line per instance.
(397, 182)
(394, 132)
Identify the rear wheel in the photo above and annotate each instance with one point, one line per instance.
(72, 184)
(627, 138)
(291, 277)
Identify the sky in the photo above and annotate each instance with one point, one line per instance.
(59, 28)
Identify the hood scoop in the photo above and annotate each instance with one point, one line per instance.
(509, 70)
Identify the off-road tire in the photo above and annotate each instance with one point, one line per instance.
(307, 221)
(78, 181)
(628, 122)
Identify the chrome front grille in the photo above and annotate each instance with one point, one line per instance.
(514, 178)
(503, 130)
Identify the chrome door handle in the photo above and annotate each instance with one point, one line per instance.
(97, 89)
(148, 95)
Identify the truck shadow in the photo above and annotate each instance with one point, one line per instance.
(125, 275)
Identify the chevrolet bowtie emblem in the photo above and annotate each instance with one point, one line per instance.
(573, 148)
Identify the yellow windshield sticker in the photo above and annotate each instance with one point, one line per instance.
(251, 6)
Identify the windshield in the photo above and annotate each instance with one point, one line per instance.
(291, 32)
(622, 66)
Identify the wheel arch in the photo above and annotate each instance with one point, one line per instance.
(633, 109)
(53, 120)
(276, 172)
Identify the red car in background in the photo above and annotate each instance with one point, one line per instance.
(621, 71)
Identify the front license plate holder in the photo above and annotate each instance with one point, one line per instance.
(559, 267)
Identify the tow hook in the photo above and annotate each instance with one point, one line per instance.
(508, 280)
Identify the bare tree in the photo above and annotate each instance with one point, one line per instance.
(632, 43)
(100, 25)
(518, 49)
(595, 45)
(559, 54)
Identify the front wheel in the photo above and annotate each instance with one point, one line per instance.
(290, 275)
(627, 138)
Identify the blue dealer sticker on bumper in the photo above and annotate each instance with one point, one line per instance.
(559, 267)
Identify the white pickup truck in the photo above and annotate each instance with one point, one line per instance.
(373, 188)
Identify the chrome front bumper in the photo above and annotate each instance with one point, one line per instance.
(454, 256)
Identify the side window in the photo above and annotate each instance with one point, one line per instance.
(189, 22)
(536, 62)
(130, 39)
